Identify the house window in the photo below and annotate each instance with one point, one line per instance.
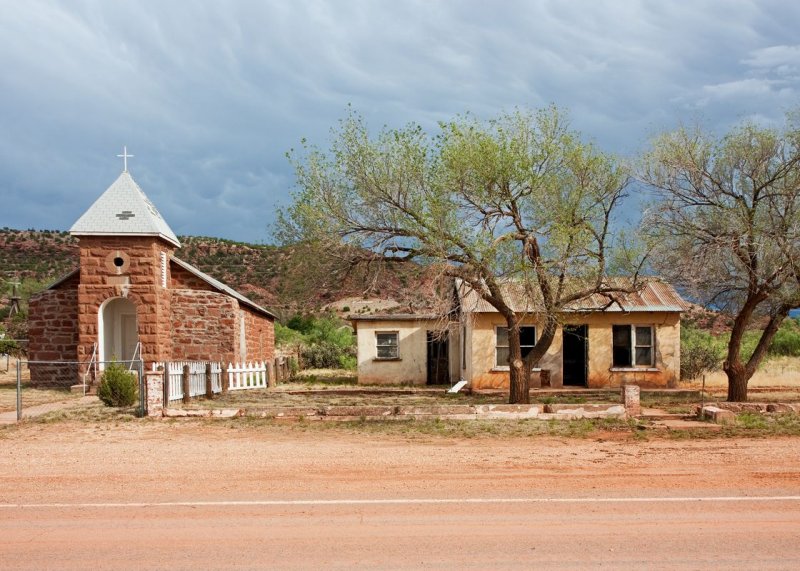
(633, 345)
(527, 339)
(387, 345)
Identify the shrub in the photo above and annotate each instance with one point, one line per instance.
(286, 336)
(700, 352)
(323, 342)
(787, 340)
(322, 355)
(118, 386)
(10, 347)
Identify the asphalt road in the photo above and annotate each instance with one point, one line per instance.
(84, 496)
(455, 534)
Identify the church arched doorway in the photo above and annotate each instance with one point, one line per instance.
(118, 332)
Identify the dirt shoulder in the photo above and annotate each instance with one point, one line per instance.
(149, 461)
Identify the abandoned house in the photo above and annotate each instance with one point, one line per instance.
(634, 339)
(131, 298)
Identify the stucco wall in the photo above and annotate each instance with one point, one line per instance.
(666, 371)
(409, 369)
(482, 373)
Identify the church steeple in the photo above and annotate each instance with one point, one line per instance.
(124, 210)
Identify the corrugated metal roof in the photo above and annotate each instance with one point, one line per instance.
(216, 284)
(394, 317)
(124, 209)
(653, 295)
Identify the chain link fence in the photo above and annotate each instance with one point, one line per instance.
(32, 388)
(10, 350)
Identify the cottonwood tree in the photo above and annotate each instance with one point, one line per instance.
(726, 227)
(516, 199)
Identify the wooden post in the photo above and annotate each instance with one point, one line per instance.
(271, 381)
(209, 384)
(186, 385)
(224, 379)
(277, 369)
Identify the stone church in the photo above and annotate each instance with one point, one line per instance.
(132, 298)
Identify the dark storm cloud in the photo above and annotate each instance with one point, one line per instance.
(210, 95)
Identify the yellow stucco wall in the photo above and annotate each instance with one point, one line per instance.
(482, 373)
(410, 368)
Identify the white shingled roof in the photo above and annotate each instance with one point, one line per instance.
(123, 209)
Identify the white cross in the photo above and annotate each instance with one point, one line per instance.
(125, 156)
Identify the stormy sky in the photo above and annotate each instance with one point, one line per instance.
(209, 96)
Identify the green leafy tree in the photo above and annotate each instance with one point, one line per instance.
(519, 198)
(321, 342)
(726, 227)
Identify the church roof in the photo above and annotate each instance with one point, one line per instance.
(124, 209)
(219, 286)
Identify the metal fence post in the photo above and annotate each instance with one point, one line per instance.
(142, 390)
(19, 391)
(166, 384)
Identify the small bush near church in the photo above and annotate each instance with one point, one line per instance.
(118, 386)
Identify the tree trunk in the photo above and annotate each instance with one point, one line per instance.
(546, 336)
(739, 373)
(519, 382)
(737, 382)
(734, 368)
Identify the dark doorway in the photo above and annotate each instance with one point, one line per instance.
(576, 355)
(438, 359)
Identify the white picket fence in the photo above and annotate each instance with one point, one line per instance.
(240, 377)
(247, 376)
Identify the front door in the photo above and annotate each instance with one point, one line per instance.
(438, 359)
(129, 336)
(118, 330)
(575, 353)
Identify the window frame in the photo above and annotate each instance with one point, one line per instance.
(634, 344)
(505, 367)
(396, 345)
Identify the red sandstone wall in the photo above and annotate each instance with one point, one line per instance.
(204, 325)
(139, 280)
(53, 334)
(53, 326)
(181, 279)
(259, 336)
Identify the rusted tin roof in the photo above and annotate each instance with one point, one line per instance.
(394, 317)
(649, 295)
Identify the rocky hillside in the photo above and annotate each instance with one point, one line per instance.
(286, 280)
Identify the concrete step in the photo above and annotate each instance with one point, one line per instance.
(686, 425)
(658, 414)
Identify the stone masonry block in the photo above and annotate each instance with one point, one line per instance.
(718, 415)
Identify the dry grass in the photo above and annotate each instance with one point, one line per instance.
(283, 396)
(775, 372)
